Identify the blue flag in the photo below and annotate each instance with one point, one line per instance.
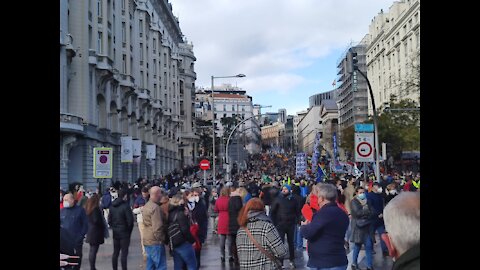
(320, 174)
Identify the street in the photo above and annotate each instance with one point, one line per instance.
(210, 255)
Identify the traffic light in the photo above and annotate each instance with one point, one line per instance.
(352, 61)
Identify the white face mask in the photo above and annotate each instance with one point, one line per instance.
(379, 190)
(197, 199)
(66, 204)
(191, 199)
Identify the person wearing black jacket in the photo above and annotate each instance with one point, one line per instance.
(96, 228)
(234, 205)
(120, 220)
(183, 253)
(199, 215)
(285, 214)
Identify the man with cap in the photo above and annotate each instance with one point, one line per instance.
(285, 214)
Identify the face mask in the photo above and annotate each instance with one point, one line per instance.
(197, 199)
(361, 196)
(379, 190)
(66, 204)
(192, 199)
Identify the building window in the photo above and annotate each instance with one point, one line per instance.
(164, 59)
(124, 34)
(90, 38)
(224, 115)
(99, 43)
(225, 107)
(233, 108)
(405, 29)
(131, 66)
(389, 63)
(140, 28)
(417, 37)
(141, 54)
(124, 63)
(141, 79)
(165, 77)
(410, 45)
(410, 24)
(416, 18)
(154, 45)
(99, 8)
(398, 54)
(405, 48)
(123, 4)
(154, 68)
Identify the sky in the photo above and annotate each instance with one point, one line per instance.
(288, 49)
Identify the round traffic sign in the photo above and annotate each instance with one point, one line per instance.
(364, 149)
(103, 159)
(204, 164)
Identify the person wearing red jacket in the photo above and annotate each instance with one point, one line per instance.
(221, 207)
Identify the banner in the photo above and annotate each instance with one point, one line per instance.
(127, 149)
(151, 151)
(335, 149)
(300, 164)
(137, 148)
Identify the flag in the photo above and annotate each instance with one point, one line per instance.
(334, 83)
(320, 174)
(356, 171)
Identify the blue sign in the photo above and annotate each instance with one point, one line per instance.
(363, 127)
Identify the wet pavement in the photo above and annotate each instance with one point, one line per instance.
(210, 256)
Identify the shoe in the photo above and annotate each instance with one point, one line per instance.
(292, 264)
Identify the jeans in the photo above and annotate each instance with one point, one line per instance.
(225, 238)
(156, 257)
(184, 255)
(368, 251)
(290, 231)
(298, 238)
(343, 267)
(120, 244)
(380, 229)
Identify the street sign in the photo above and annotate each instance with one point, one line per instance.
(364, 147)
(363, 127)
(204, 164)
(102, 162)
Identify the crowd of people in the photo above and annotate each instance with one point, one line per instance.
(262, 217)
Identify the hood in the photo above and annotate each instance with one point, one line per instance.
(172, 208)
(117, 202)
(258, 215)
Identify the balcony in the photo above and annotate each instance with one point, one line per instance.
(167, 112)
(143, 93)
(127, 80)
(72, 123)
(104, 62)
(175, 118)
(157, 103)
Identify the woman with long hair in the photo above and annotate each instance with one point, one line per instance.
(221, 207)
(96, 228)
(253, 220)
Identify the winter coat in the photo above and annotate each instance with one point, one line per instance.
(266, 195)
(96, 227)
(221, 207)
(234, 206)
(120, 219)
(106, 201)
(199, 215)
(178, 213)
(358, 211)
(75, 221)
(155, 224)
(325, 235)
(285, 211)
(377, 202)
(410, 260)
(264, 232)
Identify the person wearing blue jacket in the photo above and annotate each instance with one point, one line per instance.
(326, 232)
(376, 199)
(74, 220)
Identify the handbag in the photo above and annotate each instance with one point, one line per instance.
(276, 262)
(194, 229)
(363, 222)
(175, 235)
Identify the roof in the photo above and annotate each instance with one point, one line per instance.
(229, 96)
(329, 104)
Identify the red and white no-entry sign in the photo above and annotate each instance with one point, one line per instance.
(204, 164)
(364, 147)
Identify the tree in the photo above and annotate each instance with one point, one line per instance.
(410, 83)
(205, 136)
(347, 140)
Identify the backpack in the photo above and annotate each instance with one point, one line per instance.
(175, 235)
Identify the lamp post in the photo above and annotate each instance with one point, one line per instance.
(213, 118)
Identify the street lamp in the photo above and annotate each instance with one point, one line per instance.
(213, 118)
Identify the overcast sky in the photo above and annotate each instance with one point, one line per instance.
(287, 48)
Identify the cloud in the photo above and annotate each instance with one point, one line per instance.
(281, 83)
(268, 40)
